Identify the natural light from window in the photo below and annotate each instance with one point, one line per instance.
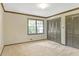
(35, 26)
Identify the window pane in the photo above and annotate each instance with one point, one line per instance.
(39, 26)
(32, 26)
(32, 23)
(39, 23)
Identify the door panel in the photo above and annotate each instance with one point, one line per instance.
(69, 30)
(54, 28)
(58, 31)
(76, 32)
(49, 29)
(72, 31)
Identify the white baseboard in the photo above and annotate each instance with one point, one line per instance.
(24, 42)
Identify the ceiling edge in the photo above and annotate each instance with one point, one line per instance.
(36, 15)
(64, 12)
(20, 13)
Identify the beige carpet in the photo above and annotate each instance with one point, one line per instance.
(39, 48)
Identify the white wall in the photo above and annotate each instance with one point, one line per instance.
(63, 26)
(15, 29)
(1, 28)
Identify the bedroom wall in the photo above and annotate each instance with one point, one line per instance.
(63, 26)
(1, 28)
(15, 29)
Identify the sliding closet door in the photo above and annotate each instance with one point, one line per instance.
(69, 30)
(72, 31)
(54, 30)
(75, 40)
(49, 25)
(58, 30)
(50, 29)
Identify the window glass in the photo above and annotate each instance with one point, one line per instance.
(32, 26)
(39, 26)
(35, 26)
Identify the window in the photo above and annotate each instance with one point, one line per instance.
(39, 26)
(32, 26)
(35, 26)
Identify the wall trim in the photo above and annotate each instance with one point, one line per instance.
(19, 43)
(20, 13)
(25, 42)
(64, 12)
(24, 14)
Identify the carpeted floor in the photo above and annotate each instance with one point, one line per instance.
(40, 48)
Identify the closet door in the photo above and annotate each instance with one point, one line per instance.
(54, 30)
(72, 31)
(69, 30)
(50, 29)
(49, 25)
(75, 40)
(58, 30)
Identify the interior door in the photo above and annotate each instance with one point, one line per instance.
(54, 30)
(75, 40)
(69, 30)
(72, 31)
(58, 30)
(49, 25)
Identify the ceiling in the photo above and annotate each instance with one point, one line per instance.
(31, 8)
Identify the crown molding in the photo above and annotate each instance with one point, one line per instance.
(20, 13)
(64, 12)
(24, 14)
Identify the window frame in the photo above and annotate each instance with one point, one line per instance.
(36, 26)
